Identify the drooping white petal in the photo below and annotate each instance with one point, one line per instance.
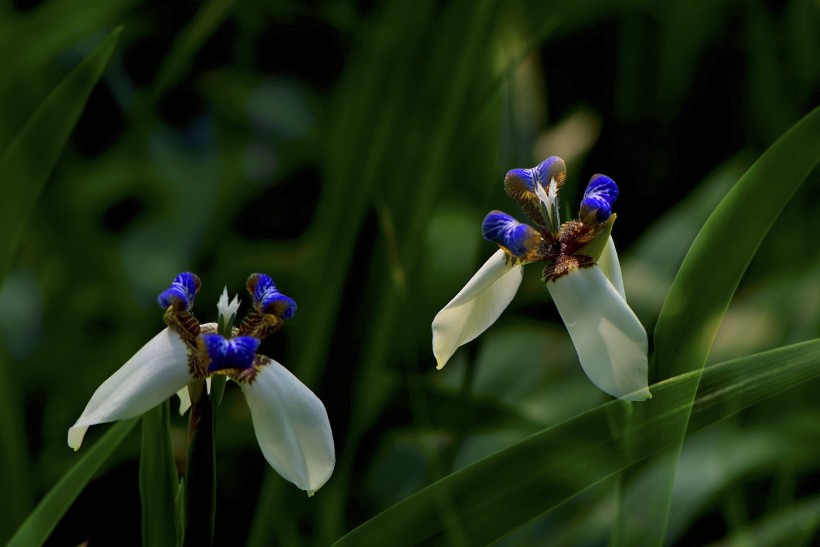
(157, 371)
(476, 307)
(611, 343)
(609, 263)
(292, 427)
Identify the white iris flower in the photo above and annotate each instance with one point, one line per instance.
(582, 274)
(291, 423)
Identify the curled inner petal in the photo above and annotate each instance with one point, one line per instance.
(599, 196)
(267, 299)
(594, 209)
(551, 168)
(523, 185)
(519, 240)
(227, 354)
(602, 185)
(181, 293)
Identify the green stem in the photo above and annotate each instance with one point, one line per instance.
(200, 480)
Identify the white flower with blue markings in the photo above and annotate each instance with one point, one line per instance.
(582, 274)
(290, 422)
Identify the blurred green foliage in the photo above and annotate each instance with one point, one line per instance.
(350, 150)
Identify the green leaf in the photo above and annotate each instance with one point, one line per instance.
(177, 63)
(39, 524)
(492, 497)
(700, 296)
(24, 168)
(158, 478)
(28, 161)
(794, 525)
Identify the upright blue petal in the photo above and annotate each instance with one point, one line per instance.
(602, 185)
(599, 196)
(523, 179)
(551, 168)
(519, 239)
(181, 293)
(234, 353)
(267, 299)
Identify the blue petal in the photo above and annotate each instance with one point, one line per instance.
(267, 299)
(518, 239)
(551, 168)
(597, 206)
(522, 176)
(602, 186)
(236, 353)
(181, 293)
(599, 196)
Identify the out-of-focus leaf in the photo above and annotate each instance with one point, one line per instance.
(700, 296)
(54, 26)
(53, 31)
(654, 259)
(27, 163)
(383, 108)
(793, 525)
(158, 479)
(39, 524)
(176, 64)
(24, 168)
(494, 496)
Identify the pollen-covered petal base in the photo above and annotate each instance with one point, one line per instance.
(157, 371)
(610, 340)
(291, 425)
(477, 306)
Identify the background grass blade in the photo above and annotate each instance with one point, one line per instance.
(177, 63)
(159, 481)
(24, 168)
(494, 496)
(699, 297)
(39, 524)
(27, 163)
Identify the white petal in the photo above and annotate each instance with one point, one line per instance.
(157, 371)
(610, 341)
(185, 397)
(184, 400)
(227, 309)
(476, 307)
(609, 263)
(292, 427)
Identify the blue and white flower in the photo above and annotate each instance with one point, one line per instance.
(582, 274)
(290, 422)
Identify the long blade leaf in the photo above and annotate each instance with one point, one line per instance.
(495, 495)
(27, 163)
(701, 294)
(159, 482)
(39, 524)
(24, 168)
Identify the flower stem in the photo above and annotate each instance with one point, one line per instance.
(200, 483)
